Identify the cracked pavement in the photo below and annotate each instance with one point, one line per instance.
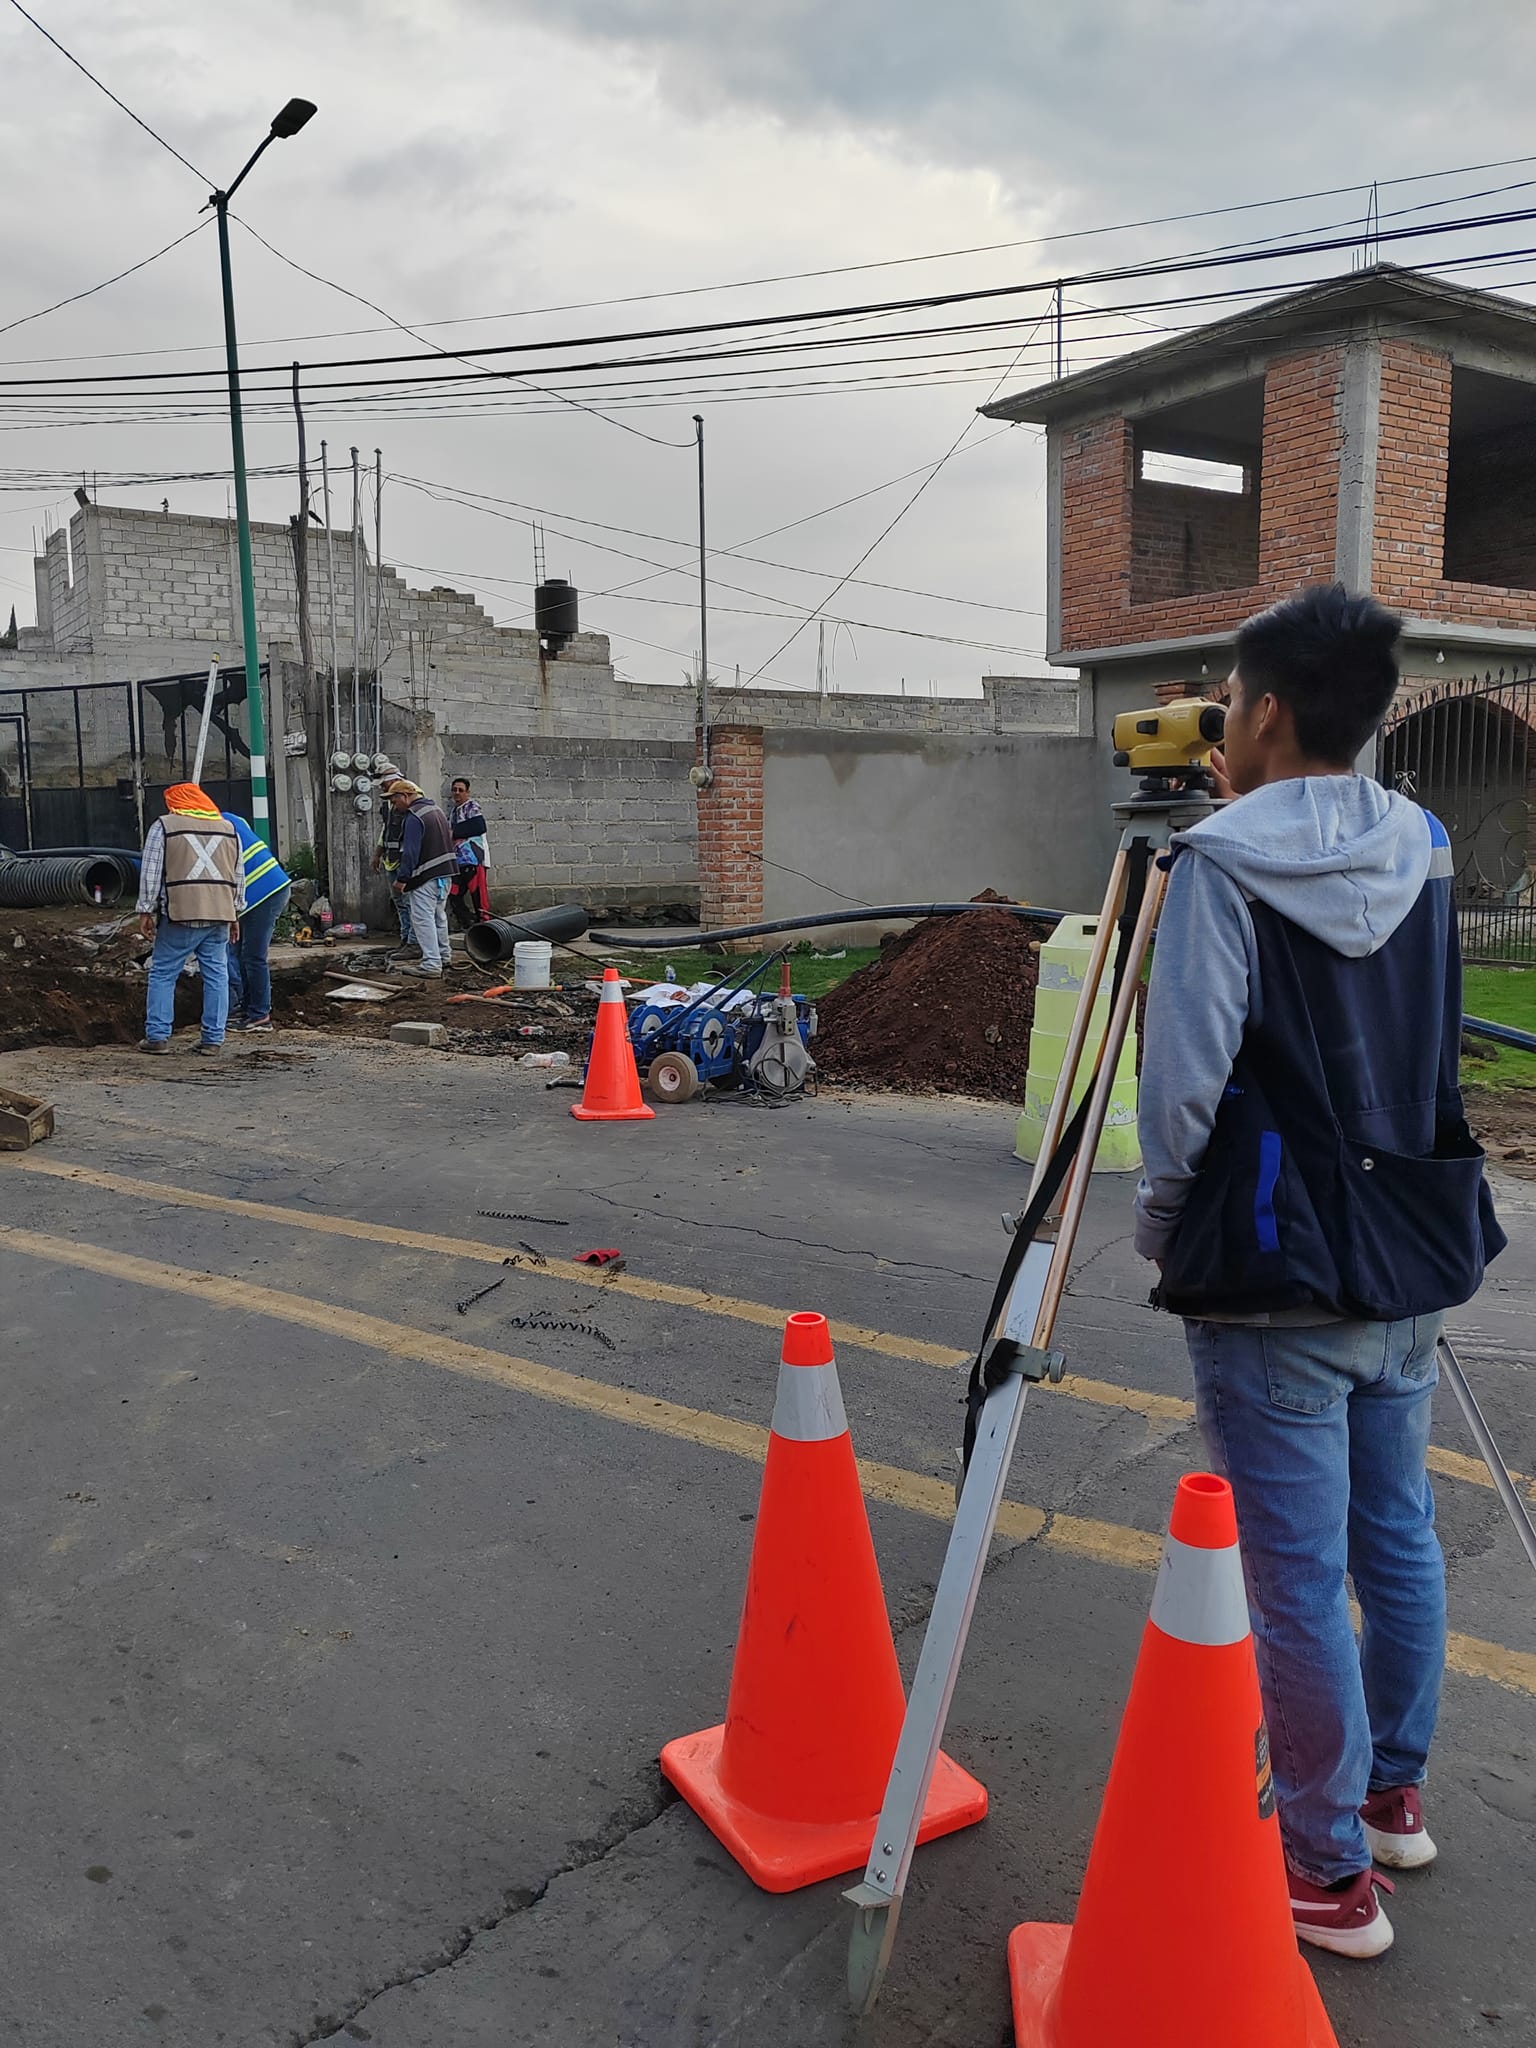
(335, 1680)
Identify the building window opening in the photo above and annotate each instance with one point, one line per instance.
(1490, 484)
(1195, 495)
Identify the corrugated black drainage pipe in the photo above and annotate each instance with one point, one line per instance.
(490, 943)
(28, 883)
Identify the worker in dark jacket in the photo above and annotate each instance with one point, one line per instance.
(427, 863)
(1315, 1202)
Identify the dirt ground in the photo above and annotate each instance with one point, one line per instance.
(947, 1008)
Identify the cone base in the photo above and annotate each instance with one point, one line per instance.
(611, 1116)
(784, 1855)
(1037, 1954)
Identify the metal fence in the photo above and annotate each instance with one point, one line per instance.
(1466, 750)
(88, 764)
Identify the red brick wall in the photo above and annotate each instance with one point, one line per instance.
(731, 829)
(1415, 432)
(1411, 479)
(1186, 541)
(1490, 509)
(1298, 515)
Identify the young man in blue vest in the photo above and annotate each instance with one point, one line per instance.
(1315, 1202)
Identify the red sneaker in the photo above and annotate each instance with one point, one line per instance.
(1394, 1828)
(1346, 1918)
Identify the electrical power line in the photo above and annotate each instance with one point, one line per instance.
(137, 119)
(117, 278)
(846, 269)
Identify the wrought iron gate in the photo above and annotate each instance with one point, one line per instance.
(1466, 750)
(87, 764)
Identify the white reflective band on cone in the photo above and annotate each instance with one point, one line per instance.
(809, 1409)
(612, 993)
(1199, 1596)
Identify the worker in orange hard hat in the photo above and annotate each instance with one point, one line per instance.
(191, 898)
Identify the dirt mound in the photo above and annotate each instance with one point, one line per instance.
(948, 1006)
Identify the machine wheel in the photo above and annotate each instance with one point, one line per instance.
(672, 1077)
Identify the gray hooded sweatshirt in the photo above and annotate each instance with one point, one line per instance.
(1337, 855)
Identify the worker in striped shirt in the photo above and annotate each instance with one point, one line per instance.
(267, 888)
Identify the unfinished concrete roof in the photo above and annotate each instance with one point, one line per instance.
(1384, 298)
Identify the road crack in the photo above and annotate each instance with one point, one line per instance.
(636, 1814)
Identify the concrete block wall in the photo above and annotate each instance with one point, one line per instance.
(603, 822)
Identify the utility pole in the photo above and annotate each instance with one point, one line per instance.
(698, 427)
(378, 594)
(330, 593)
(285, 123)
(357, 596)
(301, 540)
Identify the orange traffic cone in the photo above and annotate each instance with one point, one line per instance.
(612, 1093)
(1183, 1936)
(793, 1781)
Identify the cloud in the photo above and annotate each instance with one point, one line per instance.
(1101, 99)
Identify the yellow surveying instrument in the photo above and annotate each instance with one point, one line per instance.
(1172, 742)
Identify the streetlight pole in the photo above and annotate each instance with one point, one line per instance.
(291, 119)
(698, 423)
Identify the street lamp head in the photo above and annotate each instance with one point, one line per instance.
(292, 118)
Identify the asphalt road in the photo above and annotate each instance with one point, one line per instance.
(341, 1630)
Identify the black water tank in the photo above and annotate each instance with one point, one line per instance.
(554, 613)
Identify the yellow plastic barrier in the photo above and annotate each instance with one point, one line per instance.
(1063, 966)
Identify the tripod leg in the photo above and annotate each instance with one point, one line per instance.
(1027, 1318)
(877, 1901)
(1498, 1471)
(1082, 1017)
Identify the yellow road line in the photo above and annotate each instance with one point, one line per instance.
(1165, 1408)
(1104, 1542)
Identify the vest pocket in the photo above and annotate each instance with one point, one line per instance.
(1413, 1227)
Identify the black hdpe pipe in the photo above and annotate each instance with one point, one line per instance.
(799, 924)
(491, 942)
(26, 883)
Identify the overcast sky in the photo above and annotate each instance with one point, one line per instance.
(492, 157)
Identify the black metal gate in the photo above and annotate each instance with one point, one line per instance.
(1466, 750)
(88, 764)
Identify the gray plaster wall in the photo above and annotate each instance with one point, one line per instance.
(907, 818)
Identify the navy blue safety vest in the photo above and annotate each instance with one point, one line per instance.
(1341, 1172)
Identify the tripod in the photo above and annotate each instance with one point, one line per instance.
(1019, 1327)
(1016, 1351)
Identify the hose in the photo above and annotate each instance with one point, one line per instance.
(491, 942)
(26, 883)
(678, 940)
(1501, 1034)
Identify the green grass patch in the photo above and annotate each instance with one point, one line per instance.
(1504, 995)
(811, 974)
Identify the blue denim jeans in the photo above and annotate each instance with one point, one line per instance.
(175, 944)
(250, 978)
(1323, 1434)
(428, 906)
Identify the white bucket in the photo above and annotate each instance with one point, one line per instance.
(530, 963)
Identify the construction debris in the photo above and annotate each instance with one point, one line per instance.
(948, 1006)
(480, 1293)
(540, 1321)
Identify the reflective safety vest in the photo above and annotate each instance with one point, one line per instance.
(202, 865)
(264, 874)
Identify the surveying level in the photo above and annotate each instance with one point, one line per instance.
(1170, 745)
